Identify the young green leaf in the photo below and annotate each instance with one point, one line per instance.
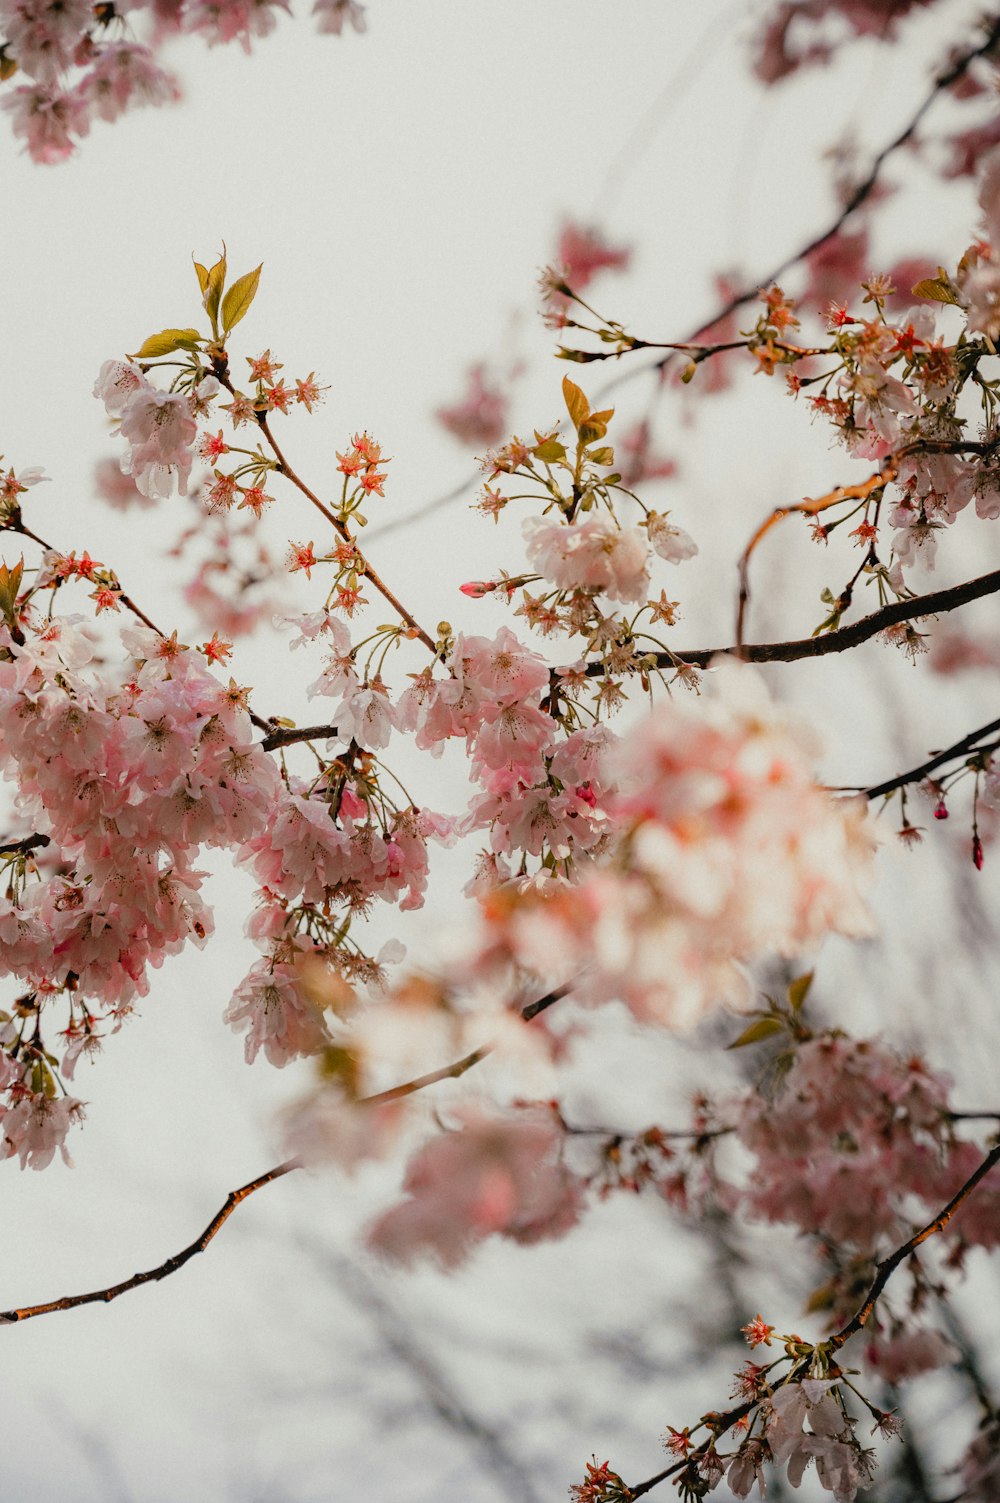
(237, 300)
(937, 288)
(576, 403)
(213, 287)
(10, 583)
(202, 272)
(760, 1028)
(799, 990)
(167, 341)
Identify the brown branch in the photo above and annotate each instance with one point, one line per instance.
(810, 507)
(719, 1423)
(235, 1197)
(288, 735)
(887, 1267)
(860, 194)
(864, 189)
(28, 843)
(221, 370)
(162, 1270)
(966, 746)
(935, 603)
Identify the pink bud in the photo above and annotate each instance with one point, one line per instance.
(977, 853)
(477, 588)
(940, 809)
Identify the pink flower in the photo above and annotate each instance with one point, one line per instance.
(670, 542)
(583, 251)
(161, 432)
(48, 119)
(334, 15)
(594, 554)
(270, 1005)
(126, 76)
(480, 419)
(497, 1175)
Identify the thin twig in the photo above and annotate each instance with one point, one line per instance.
(810, 507)
(164, 1269)
(235, 1197)
(887, 1267)
(966, 746)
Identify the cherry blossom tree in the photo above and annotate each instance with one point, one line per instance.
(649, 843)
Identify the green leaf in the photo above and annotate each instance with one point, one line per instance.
(591, 430)
(549, 449)
(939, 289)
(606, 455)
(576, 403)
(237, 300)
(10, 583)
(760, 1028)
(167, 341)
(213, 287)
(202, 272)
(799, 990)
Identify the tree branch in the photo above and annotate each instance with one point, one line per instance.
(935, 603)
(162, 1270)
(720, 1423)
(236, 1197)
(968, 744)
(288, 735)
(23, 846)
(888, 1266)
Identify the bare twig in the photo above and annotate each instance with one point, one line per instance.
(162, 1270)
(810, 507)
(235, 1197)
(887, 1267)
(967, 746)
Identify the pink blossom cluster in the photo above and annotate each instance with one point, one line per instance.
(159, 426)
(855, 1132)
(495, 1174)
(82, 64)
(794, 35)
(480, 418)
(127, 778)
(542, 789)
(724, 849)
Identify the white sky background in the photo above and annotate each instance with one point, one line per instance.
(402, 189)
